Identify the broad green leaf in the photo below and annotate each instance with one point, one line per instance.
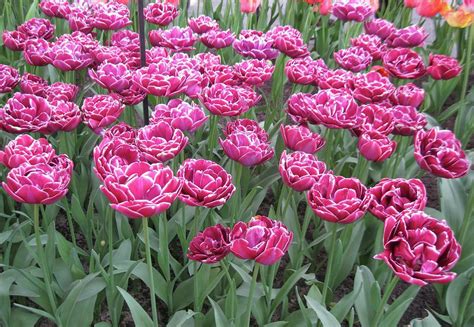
(140, 317)
(429, 321)
(344, 305)
(22, 318)
(326, 318)
(288, 286)
(219, 317)
(181, 318)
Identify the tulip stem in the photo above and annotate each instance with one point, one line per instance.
(150, 271)
(465, 303)
(386, 295)
(251, 293)
(332, 252)
(109, 218)
(212, 134)
(42, 261)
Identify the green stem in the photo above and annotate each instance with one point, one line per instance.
(150, 272)
(224, 265)
(212, 134)
(386, 295)
(251, 293)
(467, 216)
(42, 258)
(465, 302)
(110, 220)
(332, 252)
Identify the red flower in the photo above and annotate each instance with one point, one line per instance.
(160, 13)
(408, 95)
(100, 111)
(430, 8)
(180, 114)
(206, 184)
(261, 239)
(141, 190)
(419, 249)
(372, 87)
(440, 153)
(443, 67)
(375, 146)
(392, 197)
(43, 183)
(300, 170)
(408, 37)
(9, 78)
(300, 138)
(338, 199)
(160, 142)
(202, 24)
(249, 6)
(25, 149)
(218, 39)
(210, 245)
(404, 63)
(407, 120)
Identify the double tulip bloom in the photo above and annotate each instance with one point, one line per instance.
(255, 44)
(206, 184)
(160, 13)
(404, 63)
(289, 41)
(354, 59)
(202, 24)
(407, 120)
(176, 39)
(374, 118)
(301, 138)
(379, 27)
(372, 87)
(9, 78)
(352, 10)
(440, 153)
(225, 100)
(180, 115)
(218, 39)
(419, 249)
(335, 108)
(113, 77)
(408, 37)
(408, 95)
(211, 245)
(443, 67)
(100, 111)
(254, 72)
(375, 146)
(304, 70)
(25, 149)
(300, 170)
(111, 16)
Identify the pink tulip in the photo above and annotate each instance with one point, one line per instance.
(61, 92)
(160, 79)
(113, 77)
(36, 52)
(69, 55)
(132, 96)
(54, 8)
(176, 39)
(33, 84)
(206, 184)
(300, 170)
(354, 59)
(202, 24)
(374, 117)
(218, 73)
(300, 108)
(392, 197)
(440, 153)
(407, 120)
(289, 41)
(111, 55)
(211, 245)
(100, 111)
(371, 43)
(80, 19)
(408, 37)
(254, 72)
(249, 6)
(160, 13)
(352, 10)
(111, 16)
(443, 67)
(335, 108)
(255, 45)
(25, 149)
(380, 27)
(141, 190)
(224, 100)
(121, 131)
(372, 87)
(66, 116)
(160, 142)
(41, 183)
(207, 59)
(126, 40)
(419, 249)
(375, 146)
(14, 40)
(261, 239)
(338, 199)
(404, 63)
(334, 79)
(304, 70)
(155, 55)
(9, 78)
(300, 138)
(180, 114)
(37, 28)
(408, 95)
(218, 39)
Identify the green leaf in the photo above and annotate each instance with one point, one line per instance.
(140, 317)
(288, 286)
(220, 319)
(36, 311)
(180, 318)
(399, 306)
(342, 308)
(5, 283)
(429, 321)
(33, 11)
(369, 297)
(22, 318)
(454, 295)
(326, 318)
(453, 201)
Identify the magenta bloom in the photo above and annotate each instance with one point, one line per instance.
(338, 199)
(254, 72)
(42, 183)
(288, 40)
(300, 170)
(70, 55)
(36, 52)
(261, 239)
(160, 13)
(245, 125)
(155, 55)
(443, 67)
(407, 120)
(54, 8)
(14, 40)
(206, 184)
(440, 153)
(66, 116)
(304, 70)
(375, 146)
(220, 74)
(25, 149)
(404, 63)
(374, 117)
(255, 45)
(100, 111)
(408, 37)
(224, 100)
(300, 138)
(352, 10)
(61, 92)
(335, 108)
(249, 147)
(408, 95)
(380, 27)
(372, 87)
(180, 114)
(211, 245)
(141, 190)
(24, 113)
(176, 38)
(121, 131)
(371, 43)
(202, 24)
(299, 107)
(80, 19)
(126, 40)
(37, 28)
(354, 59)
(419, 249)
(217, 39)
(111, 55)
(334, 79)
(160, 142)
(392, 197)
(161, 79)
(32, 84)
(132, 96)
(115, 152)
(9, 78)
(113, 77)
(111, 16)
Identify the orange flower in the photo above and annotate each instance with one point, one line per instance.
(379, 69)
(458, 18)
(430, 8)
